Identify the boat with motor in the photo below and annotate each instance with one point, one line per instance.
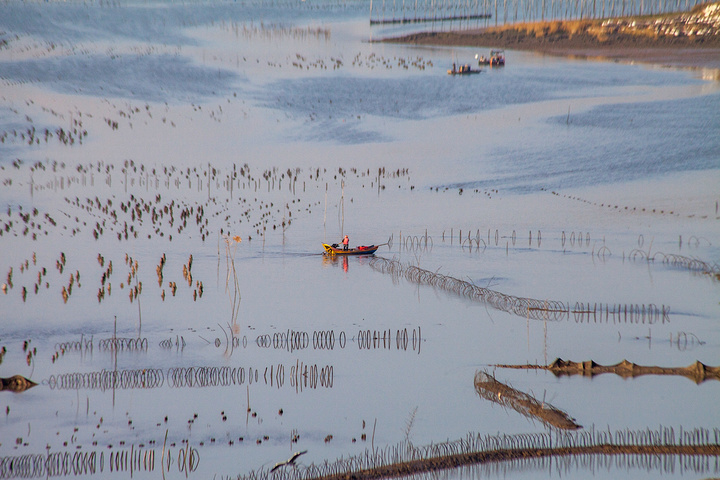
(336, 249)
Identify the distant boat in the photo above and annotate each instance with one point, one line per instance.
(336, 249)
(462, 70)
(496, 58)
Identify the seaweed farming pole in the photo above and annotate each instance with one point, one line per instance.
(449, 12)
(405, 459)
(513, 11)
(414, 467)
(429, 19)
(342, 207)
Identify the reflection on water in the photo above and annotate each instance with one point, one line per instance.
(127, 461)
(299, 376)
(537, 309)
(661, 449)
(599, 466)
(185, 461)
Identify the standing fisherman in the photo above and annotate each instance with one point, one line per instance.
(346, 242)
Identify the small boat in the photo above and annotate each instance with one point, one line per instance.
(496, 59)
(462, 70)
(336, 249)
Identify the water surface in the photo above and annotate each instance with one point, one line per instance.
(551, 179)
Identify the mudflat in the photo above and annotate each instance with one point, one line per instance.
(678, 40)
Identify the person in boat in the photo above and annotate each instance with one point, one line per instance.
(346, 242)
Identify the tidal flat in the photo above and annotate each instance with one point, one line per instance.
(170, 171)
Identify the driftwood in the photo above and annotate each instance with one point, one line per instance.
(490, 389)
(697, 372)
(16, 383)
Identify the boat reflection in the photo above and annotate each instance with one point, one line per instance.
(344, 261)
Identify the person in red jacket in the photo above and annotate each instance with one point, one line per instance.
(346, 242)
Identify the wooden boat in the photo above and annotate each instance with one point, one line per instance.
(336, 249)
(462, 70)
(496, 59)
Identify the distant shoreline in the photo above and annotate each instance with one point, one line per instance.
(624, 39)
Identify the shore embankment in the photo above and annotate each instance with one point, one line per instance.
(688, 39)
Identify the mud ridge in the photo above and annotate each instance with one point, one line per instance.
(495, 391)
(16, 383)
(697, 372)
(406, 459)
(459, 460)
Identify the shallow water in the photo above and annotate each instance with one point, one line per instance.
(551, 179)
